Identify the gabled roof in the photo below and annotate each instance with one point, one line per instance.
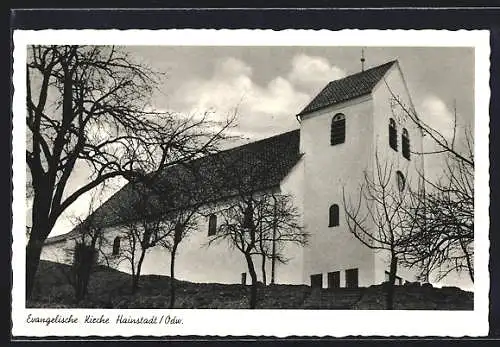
(347, 88)
(255, 166)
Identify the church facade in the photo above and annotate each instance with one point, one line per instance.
(350, 126)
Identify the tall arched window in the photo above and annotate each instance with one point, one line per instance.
(334, 216)
(405, 144)
(212, 225)
(337, 134)
(401, 181)
(393, 135)
(116, 245)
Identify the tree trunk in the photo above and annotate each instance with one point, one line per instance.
(39, 232)
(392, 281)
(135, 282)
(263, 267)
(470, 267)
(273, 257)
(253, 275)
(172, 276)
(33, 252)
(83, 264)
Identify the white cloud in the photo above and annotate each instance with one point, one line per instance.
(313, 72)
(279, 97)
(435, 113)
(271, 107)
(232, 67)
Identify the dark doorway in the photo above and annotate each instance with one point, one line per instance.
(334, 279)
(351, 278)
(317, 281)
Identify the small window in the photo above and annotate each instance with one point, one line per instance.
(401, 180)
(405, 144)
(351, 278)
(116, 245)
(317, 281)
(393, 135)
(334, 279)
(337, 134)
(334, 216)
(212, 225)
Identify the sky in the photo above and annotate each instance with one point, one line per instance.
(269, 85)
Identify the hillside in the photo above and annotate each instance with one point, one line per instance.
(109, 288)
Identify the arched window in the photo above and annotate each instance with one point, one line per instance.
(405, 144)
(400, 180)
(393, 135)
(212, 225)
(337, 134)
(334, 216)
(116, 245)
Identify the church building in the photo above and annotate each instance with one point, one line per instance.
(341, 132)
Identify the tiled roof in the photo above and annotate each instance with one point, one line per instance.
(60, 238)
(347, 88)
(254, 166)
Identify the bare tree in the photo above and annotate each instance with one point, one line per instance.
(279, 227)
(247, 225)
(379, 217)
(184, 222)
(88, 250)
(444, 243)
(142, 227)
(445, 240)
(444, 144)
(90, 105)
(84, 256)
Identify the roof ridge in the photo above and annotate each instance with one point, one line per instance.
(347, 88)
(364, 71)
(220, 152)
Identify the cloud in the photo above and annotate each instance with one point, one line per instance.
(435, 113)
(263, 109)
(232, 67)
(266, 109)
(313, 72)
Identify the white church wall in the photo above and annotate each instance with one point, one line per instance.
(292, 272)
(394, 83)
(328, 170)
(382, 113)
(57, 252)
(196, 261)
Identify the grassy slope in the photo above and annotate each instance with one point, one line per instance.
(109, 288)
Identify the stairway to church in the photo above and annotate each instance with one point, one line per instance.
(333, 299)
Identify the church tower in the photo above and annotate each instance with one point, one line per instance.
(341, 131)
